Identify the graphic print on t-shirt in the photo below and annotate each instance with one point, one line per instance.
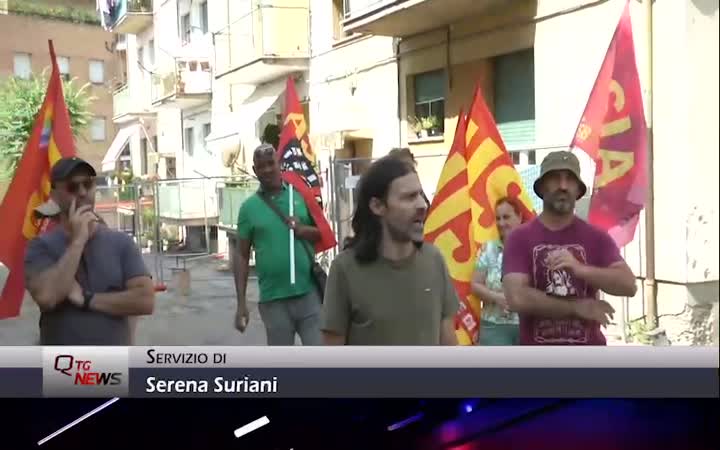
(559, 283)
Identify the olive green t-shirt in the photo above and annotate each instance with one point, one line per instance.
(270, 237)
(389, 302)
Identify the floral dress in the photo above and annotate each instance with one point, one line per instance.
(489, 260)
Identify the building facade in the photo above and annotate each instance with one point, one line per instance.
(83, 51)
(536, 62)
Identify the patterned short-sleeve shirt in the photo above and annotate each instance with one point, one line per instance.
(490, 261)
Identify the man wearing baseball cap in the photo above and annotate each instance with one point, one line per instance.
(87, 279)
(555, 265)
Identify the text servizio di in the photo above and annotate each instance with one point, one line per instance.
(155, 357)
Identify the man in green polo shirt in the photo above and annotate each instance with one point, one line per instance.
(286, 308)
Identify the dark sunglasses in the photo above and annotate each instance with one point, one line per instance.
(72, 187)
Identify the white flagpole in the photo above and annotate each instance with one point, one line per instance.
(292, 238)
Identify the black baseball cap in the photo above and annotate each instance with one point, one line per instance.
(66, 166)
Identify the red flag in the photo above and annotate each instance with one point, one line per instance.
(298, 164)
(50, 140)
(613, 133)
(294, 150)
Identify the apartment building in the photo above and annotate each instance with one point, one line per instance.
(536, 62)
(353, 102)
(83, 51)
(162, 105)
(257, 46)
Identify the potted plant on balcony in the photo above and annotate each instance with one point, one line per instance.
(431, 125)
(416, 127)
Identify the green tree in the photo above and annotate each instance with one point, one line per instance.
(20, 101)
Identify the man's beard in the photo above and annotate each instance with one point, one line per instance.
(557, 205)
(399, 235)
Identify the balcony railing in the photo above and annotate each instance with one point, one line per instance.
(132, 16)
(230, 199)
(270, 31)
(122, 101)
(187, 200)
(190, 77)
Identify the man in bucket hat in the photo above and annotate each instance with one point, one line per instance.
(555, 265)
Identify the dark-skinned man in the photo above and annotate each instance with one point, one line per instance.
(286, 308)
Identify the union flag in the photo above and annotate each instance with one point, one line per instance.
(477, 173)
(298, 161)
(51, 139)
(294, 150)
(613, 133)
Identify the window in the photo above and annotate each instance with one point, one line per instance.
(355, 7)
(97, 129)
(514, 99)
(185, 29)
(429, 96)
(204, 25)
(151, 52)
(338, 17)
(170, 169)
(206, 129)
(64, 66)
(22, 65)
(189, 141)
(97, 71)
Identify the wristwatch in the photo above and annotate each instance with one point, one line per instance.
(87, 296)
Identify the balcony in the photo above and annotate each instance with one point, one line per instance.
(132, 16)
(187, 86)
(188, 202)
(126, 106)
(402, 18)
(230, 199)
(270, 42)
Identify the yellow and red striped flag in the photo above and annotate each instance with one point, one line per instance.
(478, 172)
(50, 140)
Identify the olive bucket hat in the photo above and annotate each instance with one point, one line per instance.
(561, 160)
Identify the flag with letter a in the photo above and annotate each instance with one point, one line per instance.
(297, 162)
(613, 132)
(51, 139)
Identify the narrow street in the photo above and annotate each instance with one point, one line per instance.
(205, 317)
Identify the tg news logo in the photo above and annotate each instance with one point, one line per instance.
(81, 372)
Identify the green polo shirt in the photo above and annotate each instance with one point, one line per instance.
(270, 238)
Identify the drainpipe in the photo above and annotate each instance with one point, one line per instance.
(650, 291)
(396, 48)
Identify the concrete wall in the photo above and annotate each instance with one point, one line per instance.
(569, 48)
(353, 85)
(80, 43)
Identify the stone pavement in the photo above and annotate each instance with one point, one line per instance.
(205, 317)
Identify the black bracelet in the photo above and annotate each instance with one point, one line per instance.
(88, 296)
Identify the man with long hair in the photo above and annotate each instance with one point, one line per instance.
(388, 287)
(555, 265)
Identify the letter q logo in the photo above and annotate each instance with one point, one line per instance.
(64, 363)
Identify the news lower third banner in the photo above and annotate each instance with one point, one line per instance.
(354, 372)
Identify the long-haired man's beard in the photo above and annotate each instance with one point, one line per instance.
(397, 234)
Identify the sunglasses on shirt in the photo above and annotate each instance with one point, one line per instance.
(72, 187)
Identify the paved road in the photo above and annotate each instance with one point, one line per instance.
(205, 317)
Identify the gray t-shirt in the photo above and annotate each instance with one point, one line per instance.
(109, 260)
(388, 302)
